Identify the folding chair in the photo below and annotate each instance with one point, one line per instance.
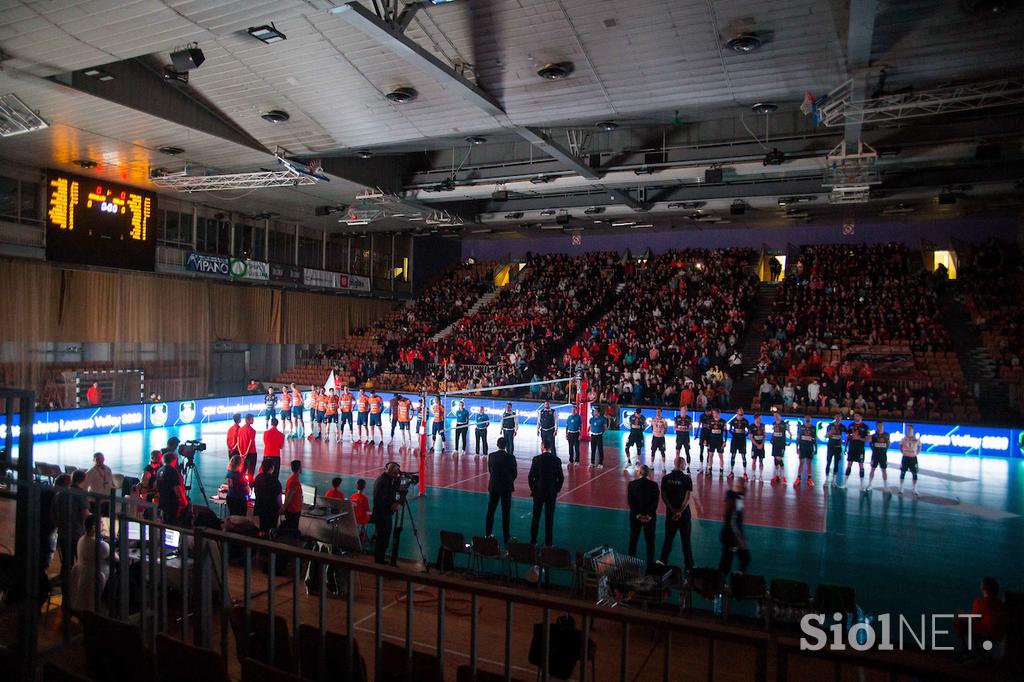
(484, 549)
(453, 543)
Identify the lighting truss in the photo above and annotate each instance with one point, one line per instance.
(373, 204)
(850, 175)
(16, 118)
(837, 108)
(289, 176)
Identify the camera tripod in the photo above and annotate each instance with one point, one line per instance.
(190, 475)
(396, 533)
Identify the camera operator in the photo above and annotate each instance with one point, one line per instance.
(385, 504)
(170, 487)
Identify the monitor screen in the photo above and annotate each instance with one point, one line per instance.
(172, 539)
(134, 531)
(309, 495)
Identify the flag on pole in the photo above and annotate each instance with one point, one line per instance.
(331, 382)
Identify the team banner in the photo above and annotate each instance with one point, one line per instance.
(98, 421)
(207, 265)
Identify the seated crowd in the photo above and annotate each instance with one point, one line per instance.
(991, 283)
(858, 328)
(673, 336)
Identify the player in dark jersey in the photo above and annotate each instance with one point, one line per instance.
(807, 444)
(780, 439)
(738, 427)
(834, 451)
(684, 425)
(637, 423)
(856, 437)
(702, 440)
(757, 439)
(716, 442)
(879, 455)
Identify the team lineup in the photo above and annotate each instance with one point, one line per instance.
(363, 415)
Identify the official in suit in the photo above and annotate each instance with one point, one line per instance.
(642, 495)
(546, 479)
(503, 469)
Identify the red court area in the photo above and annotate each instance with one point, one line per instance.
(766, 505)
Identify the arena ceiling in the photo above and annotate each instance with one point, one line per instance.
(489, 139)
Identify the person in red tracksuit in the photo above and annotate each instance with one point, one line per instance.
(233, 435)
(247, 446)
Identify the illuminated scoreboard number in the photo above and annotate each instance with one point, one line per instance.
(96, 222)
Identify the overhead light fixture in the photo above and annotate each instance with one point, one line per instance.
(484, 230)
(542, 179)
(744, 43)
(171, 151)
(85, 163)
(765, 108)
(189, 58)
(275, 116)
(175, 77)
(267, 33)
(476, 140)
(899, 209)
(594, 210)
(439, 2)
(364, 154)
(556, 226)
(16, 118)
(801, 199)
(774, 158)
(98, 74)
(402, 95)
(513, 216)
(607, 126)
(624, 223)
(548, 212)
(689, 205)
(642, 226)
(556, 71)
(643, 170)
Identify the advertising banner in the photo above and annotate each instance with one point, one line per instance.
(207, 265)
(321, 278)
(285, 273)
(358, 283)
(242, 268)
(97, 421)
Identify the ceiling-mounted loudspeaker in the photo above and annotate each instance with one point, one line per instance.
(738, 208)
(499, 195)
(713, 175)
(987, 152)
(947, 199)
(654, 158)
(562, 219)
(556, 71)
(187, 59)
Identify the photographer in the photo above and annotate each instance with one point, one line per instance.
(385, 504)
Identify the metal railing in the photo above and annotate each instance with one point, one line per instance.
(145, 573)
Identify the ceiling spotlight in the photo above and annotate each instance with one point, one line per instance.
(513, 216)
(689, 205)
(476, 139)
(548, 212)
(556, 71)
(364, 154)
(85, 163)
(268, 33)
(275, 116)
(594, 210)
(607, 126)
(189, 58)
(171, 151)
(402, 95)
(744, 43)
(765, 108)
(542, 179)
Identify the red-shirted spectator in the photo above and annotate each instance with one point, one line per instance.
(273, 443)
(335, 492)
(990, 625)
(94, 395)
(233, 435)
(292, 508)
(247, 446)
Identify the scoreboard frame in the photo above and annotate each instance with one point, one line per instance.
(92, 221)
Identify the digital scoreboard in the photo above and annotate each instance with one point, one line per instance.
(96, 222)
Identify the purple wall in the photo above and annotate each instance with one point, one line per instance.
(936, 233)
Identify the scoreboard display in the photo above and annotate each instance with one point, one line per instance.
(96, 222)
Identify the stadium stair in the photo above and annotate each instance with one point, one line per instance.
(743, 389)
(474, 309)
(979, 370)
